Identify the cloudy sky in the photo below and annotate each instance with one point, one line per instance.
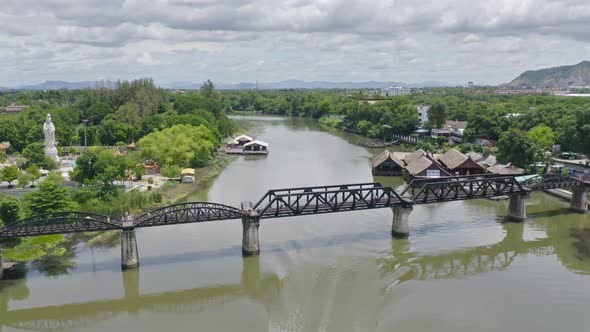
(234, 41)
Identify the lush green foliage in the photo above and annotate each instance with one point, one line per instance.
(9, 174)
(179, 146)
(24, 179)
(135, 109)
(35, 154)
(35, 248)
(437, 115)
(34, 171)
(488, 115)
(9, 209)
(517, 147)
(335, 122)
(50, 197)
(115, 204)
(128, 112)
(100, 168)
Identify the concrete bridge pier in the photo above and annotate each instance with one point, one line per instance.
(517, 207)
(579, 202)
(250, 225)
(129, 255)
(399, 226)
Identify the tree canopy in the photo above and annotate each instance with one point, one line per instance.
(127, 112)
(50, 197)
(9, 174)
(437, 114)
(179, 146)
(9, 209)
(517, 147)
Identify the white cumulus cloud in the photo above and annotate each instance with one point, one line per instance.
(266, 40)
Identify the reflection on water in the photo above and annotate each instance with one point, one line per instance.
(270, 291)
(460, 270)
(582, 243)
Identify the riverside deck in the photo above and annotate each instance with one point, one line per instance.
(234, 150)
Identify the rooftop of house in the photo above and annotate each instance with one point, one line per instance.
(385, 155)
(261, 143)
(454, 125)
(452, 159)
(418, 165)
(475, 156)
(243, 138)
(414, 155)
(577, 162)
(14, 107)
(488, 161)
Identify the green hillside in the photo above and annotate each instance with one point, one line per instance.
(556, 77)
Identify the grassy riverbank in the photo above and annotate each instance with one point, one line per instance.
(174, 192)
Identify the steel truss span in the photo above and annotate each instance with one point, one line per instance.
(553, 181)
(444, 191)
(60, 223)
(420, 182)
(187, 213)
(298, 201)
(326, 199)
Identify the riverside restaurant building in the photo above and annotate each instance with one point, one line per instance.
(256, 147)
(246, 145)
(386, 164)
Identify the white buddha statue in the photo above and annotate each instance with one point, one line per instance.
(49, 130)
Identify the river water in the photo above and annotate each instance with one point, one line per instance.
(461, 269)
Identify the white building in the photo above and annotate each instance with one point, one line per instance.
(577, 165)
(423, 114)
(453, 130)
(13, 108)
(395, 91)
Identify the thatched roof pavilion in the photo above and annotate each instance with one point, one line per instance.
(456, 162)
(386, 163)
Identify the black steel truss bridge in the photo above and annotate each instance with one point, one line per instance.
(290, 202)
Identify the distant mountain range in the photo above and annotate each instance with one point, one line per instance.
(556, 77)
(289, 84)
(57, 85)
(297, 84)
